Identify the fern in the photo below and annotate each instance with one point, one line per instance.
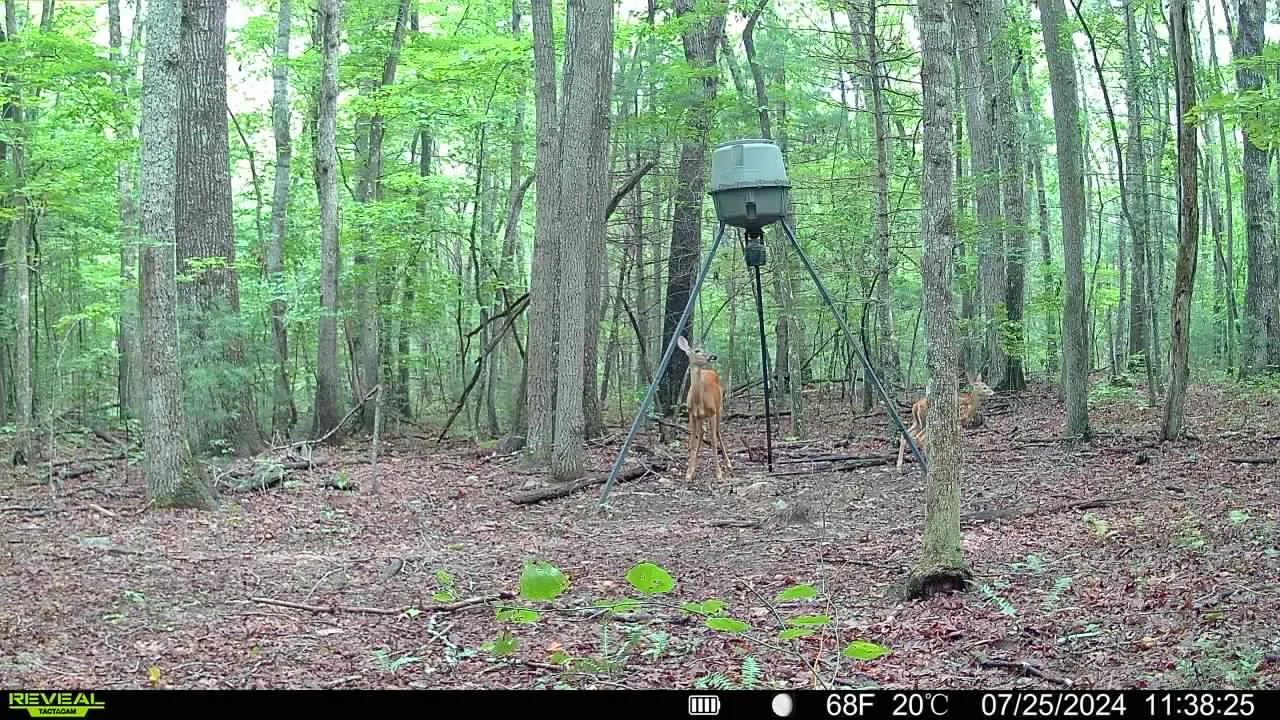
(716, 680)
(750, 672)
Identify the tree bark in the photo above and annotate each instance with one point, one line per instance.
(208, 281)
(1066, 118)
(699, 40)
(940, 566)
(1184, 277)
(173, 480)
(1048, 278)
(1260, 336)
(584, 130)
(326, 168)
(1136, 185)
(543, 330)
(286, 412)
(971, 42)
(129, 368)
(1010, 142)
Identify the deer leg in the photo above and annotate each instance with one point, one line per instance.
(902, 444)
(723, 449)
(714, 422)
(695, 440)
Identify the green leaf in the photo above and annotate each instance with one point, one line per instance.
(800, 620)
(541, 581)
(727, 624)
(795, 632)
(649, 578)
(864, 650)
(713, 606)
(504, 644)
(797, 592)
(518, 615)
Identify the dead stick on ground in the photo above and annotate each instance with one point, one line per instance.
(447, 607)
(1253, 460)
(551, 493)
(1027, 668)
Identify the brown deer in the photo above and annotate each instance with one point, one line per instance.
(705, 400)
(970, 402)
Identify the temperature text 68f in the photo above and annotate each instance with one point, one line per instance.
(896, 704)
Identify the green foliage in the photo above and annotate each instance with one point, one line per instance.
(864, 650)
(649, 578)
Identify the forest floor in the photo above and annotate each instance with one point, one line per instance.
(1120, 563)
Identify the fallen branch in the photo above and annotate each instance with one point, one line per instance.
(1254, 460)
(340, 681)
(334, 609)
(1027, 668)
(736, 523)
(856, 465)
(1008, 513)
(551, 493)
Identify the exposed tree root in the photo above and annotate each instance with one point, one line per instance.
(1026, 668)
(937, 581)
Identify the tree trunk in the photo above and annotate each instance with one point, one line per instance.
(326, 177)
(1035, 162)
(1227, 259)
(971, 42)
(1260, 336)
(876, 78)
(369, 190)
(584, 197)
(699, 39)
(173, 480)
(286, 413)
(1188, 225)
(1136, 185)
(206, 239)
(940, 567)
(129, 374)
(1066, 114)
(598, 188)
(1010, 142)
(541, 391)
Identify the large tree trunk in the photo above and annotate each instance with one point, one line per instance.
(326, 178)
(940, 567)
(1066, 114)
(1136, 186)
(369, 190)
(286, 413)
(129, 368)
(1226, 257)
(598, 189)
(1010, 142)
(1184, 276)
(173, 480)
(541, 391)
(584, 130)
(699, 40)
(1260, 336)
(211, 300)
(972, 42)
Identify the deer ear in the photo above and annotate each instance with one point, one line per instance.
(682, 343)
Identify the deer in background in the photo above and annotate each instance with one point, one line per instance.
(969, 404)
(705, 399)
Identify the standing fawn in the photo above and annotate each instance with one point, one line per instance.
(705, 399)
(969, 403)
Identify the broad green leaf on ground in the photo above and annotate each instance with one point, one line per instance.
(864, 650)
(650, 578)
(541, 581)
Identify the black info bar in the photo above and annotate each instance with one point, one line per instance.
(651, 704)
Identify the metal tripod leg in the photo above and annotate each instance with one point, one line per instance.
(884, 395)
(662, 367)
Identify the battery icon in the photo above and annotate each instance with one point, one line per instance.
(704, 705)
